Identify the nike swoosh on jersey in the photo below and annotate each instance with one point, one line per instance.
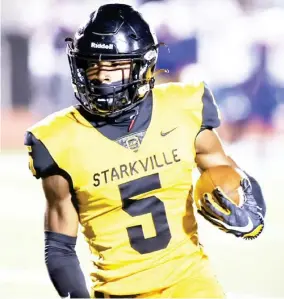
(168, 132)
(243, 229)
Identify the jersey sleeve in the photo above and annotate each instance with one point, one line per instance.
(41, 163)
(210, 111)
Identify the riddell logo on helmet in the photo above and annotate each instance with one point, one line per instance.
(102, 46)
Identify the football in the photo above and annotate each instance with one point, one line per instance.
(226, 177)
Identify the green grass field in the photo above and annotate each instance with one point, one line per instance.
(247, 269)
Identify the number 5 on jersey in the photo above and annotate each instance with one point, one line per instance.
(144, 206)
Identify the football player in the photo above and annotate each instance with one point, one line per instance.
(120, 165)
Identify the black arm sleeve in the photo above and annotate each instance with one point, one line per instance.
(63, 266)
(42, 162)
(210, 115)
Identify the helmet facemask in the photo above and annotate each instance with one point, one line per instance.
(110, 100)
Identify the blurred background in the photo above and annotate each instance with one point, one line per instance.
(236, 46)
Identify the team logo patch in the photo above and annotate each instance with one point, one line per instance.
(132, 141)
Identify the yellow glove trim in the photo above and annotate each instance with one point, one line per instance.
(255, 233)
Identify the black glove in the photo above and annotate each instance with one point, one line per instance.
(246, 221)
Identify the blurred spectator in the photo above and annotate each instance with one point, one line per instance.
(251, 103)
(236, 46)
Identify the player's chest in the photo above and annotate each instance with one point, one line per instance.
(106, 171)
(100, 167)
(137, 154)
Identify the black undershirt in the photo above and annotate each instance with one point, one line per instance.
(115, 128)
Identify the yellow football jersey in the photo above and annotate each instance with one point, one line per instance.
(134, 202)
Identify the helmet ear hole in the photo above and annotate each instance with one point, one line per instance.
(133, 36)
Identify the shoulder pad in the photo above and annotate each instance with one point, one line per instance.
(53, 123)
(194, 97)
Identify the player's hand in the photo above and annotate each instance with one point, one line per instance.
(245, 221)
